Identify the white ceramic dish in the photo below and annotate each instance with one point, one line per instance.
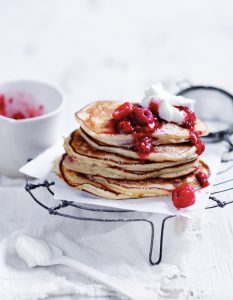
(26, 138)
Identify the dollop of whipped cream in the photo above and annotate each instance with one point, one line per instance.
(166, 103)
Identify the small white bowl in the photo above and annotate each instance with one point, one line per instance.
(23, 139)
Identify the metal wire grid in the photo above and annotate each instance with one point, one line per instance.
(59, 211)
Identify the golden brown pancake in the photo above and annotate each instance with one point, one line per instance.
(87, 167)
(162, 153)
(124, 189)
(77, 147)
(94, 120)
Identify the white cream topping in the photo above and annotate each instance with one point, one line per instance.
(170, 113)
(166, 102)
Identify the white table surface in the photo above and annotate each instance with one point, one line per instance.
(98, 49)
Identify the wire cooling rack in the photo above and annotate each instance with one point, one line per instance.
(60, 210)
(184, 87)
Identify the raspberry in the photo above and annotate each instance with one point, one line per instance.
(138, 121)
(183, 196)
(123, 111)
(142, 116)
(125, 127)
(202, 179)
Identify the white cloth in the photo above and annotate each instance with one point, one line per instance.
(117, 249)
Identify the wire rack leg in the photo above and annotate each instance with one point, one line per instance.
(64, 203)
(153, 263)
(128, 220)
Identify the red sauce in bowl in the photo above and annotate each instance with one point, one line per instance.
(19, 107)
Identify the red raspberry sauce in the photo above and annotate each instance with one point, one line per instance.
(20, 107)
(189, 123)
(138, 121)
(141, 122)
(123, 111)
(143, 145)
(154, 107)
(196, 141)
(125, 127)
(190, 117)
(183, 196)
(202, 179)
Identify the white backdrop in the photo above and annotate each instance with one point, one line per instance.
(98, 49)
(111, 49)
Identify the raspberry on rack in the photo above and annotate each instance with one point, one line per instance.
(183, 196)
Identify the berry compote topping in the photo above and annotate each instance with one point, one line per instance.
(138, 121)
(142, 116)
(143, 145)
(189, 123)
(183, 195)
(195, 140)
(189, 118)
(125, 126)
(149, 128)
(202, 179)
(154, 108)
(20, 107)
(141, 122)
(123, 111)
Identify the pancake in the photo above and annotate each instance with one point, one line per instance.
(94, 120)
(113, 172)
(124, 189)
(77, 147)
(162, 153)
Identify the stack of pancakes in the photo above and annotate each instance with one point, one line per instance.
(105, 164)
